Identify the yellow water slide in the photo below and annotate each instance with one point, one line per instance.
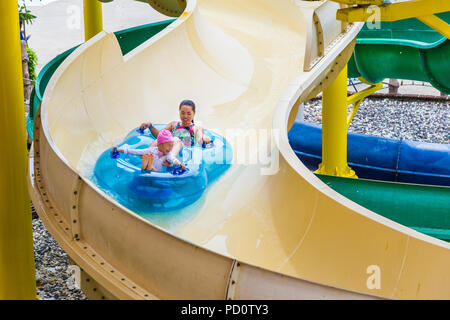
(268, 228)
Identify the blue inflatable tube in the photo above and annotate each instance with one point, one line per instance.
(172, 188)
(378, 158)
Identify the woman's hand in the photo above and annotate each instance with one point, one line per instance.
(183, 166)
(145, 125)
(200, 135)
(206, 139)
(115, 149)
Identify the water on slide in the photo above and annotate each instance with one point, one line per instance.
(239, 65)
(239, 68)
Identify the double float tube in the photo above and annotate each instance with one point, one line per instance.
(311, 242)
(170, 189)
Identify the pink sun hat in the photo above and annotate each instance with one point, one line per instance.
(164, 136)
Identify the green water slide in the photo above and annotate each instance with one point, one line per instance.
(406, 49)
(423, 208)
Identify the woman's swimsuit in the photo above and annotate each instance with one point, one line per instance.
(185, 134)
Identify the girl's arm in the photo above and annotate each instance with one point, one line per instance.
(138, 152)
(171, 159)
(117, 149)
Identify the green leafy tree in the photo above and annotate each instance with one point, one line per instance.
(27, 17)
(25, 14)
(32, 64)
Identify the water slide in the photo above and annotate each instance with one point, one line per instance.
(260, 231)
(405, 49)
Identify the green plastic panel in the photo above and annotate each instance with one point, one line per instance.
(409, 32)
(424, 208)
(130, 39)
(406, 49)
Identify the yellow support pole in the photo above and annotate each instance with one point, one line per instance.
(391, 11)
(93, 21)
(437, 24)
(334, 129)
(17, 270)
(358, 97)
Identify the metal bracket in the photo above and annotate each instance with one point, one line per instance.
(74, 216)
(319, 34)
(233, 280)
(323, 33)
(358, 97)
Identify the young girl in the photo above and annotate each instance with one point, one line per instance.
(153, 158)
(186, 133)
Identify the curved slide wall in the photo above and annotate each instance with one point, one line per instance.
(254, 235)
(128, 40)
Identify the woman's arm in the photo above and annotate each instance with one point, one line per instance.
(200, 136)
(153, 130)
(170, 126)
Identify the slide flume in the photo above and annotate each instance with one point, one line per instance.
(264, 230)
(405, 49)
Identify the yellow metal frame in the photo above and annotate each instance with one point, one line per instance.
(423, 10)
(358, 97)
(437, 24)
(334, 129)
(391, 11)
(93, 20)
(360, 2)
(335, 123)
(17, 269)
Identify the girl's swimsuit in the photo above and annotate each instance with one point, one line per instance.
(185, 134)
(160, 158)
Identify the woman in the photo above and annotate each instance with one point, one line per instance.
(185, 132)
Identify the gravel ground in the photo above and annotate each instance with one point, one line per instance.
(415, 120)
(54, 280)
(425, 121)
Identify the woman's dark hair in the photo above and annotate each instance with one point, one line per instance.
(189, 103)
